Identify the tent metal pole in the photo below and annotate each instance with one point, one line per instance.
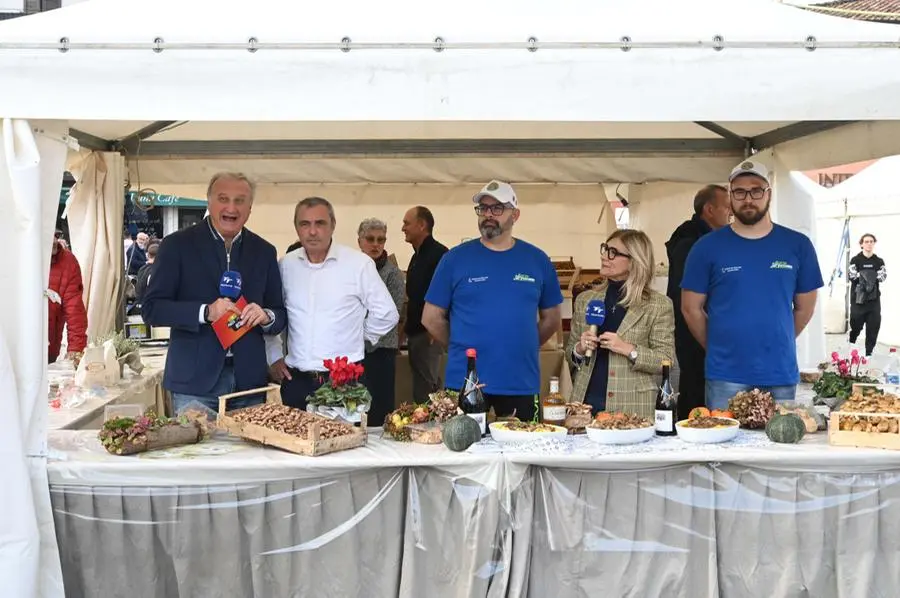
(625, 44)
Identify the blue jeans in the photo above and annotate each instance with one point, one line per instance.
(718, 392)
(224, 385)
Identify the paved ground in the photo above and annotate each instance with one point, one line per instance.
(837, 342)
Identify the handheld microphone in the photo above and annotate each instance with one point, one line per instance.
(230, 288)
(594, 316)
(230, 285)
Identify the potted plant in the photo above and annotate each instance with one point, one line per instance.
(342, 395)
(130, 435)
(127, 351)
(838, 378)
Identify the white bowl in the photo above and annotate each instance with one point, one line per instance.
(708, 435)
(501, 435)
(633, 436)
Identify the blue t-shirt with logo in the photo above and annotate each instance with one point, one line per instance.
(750, 286)
(492, 300)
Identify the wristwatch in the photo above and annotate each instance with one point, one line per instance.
(632, 357)
(206, 312)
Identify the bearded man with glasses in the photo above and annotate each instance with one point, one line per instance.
(749, 289)
(500, 296)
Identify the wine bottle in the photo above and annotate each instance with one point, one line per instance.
(471, 399)
(665, 404)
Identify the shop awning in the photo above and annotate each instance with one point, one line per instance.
(157, 200)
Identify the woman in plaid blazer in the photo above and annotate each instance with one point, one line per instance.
(636, 336)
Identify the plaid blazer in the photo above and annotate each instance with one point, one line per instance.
(651, 328)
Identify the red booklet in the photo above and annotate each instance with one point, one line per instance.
(228, 327)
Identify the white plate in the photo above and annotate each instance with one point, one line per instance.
(707, 435)
(634, 436)
(501, 435)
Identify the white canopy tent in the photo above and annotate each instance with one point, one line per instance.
(404, 91)
(868, 202)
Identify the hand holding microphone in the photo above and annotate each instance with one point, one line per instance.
(229, 291)
(594, 316)
(230, 286)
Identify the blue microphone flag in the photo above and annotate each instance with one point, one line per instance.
(230, 284)
(595, 313)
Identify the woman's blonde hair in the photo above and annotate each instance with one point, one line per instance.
(640, 275)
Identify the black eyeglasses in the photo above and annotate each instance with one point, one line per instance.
(612, 253)
(495, 209)
(380, 240)
(754, 193)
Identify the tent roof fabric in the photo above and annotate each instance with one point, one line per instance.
(589, 84)
(193, 78)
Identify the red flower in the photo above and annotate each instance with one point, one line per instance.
(341, 371)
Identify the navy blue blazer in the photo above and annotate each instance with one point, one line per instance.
(186, 276)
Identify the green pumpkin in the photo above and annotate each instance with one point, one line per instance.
(460, 432)
(787, 428)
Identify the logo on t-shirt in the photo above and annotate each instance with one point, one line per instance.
(730, 269)
(780, 265)
(477, 278)
(523, 278)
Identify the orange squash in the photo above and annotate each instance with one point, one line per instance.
(698, 412)
(722, 413)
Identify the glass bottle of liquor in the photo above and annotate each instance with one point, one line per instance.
(665, 404)
(553, 407)
(471, 399)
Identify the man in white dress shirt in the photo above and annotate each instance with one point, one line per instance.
(335, 301)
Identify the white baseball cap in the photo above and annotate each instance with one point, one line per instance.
(750, 167)
(502, 192)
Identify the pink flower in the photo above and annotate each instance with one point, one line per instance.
(855, 359)
(835, 357)
(854, 353)
(865, 361)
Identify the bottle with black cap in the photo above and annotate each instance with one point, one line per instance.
(665, 404)
(471, 399)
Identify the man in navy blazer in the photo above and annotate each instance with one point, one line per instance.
(184, 294)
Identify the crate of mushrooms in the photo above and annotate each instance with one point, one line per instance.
(287, 428)
(870, 417)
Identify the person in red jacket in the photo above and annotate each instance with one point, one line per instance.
(66, 304)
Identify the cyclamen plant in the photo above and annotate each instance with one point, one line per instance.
(839, 376)
(343, 388)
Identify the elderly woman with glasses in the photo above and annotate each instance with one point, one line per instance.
(380, 359)
(617, 366)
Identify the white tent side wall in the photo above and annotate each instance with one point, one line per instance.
(32, 156)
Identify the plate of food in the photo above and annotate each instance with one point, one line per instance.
(620, 428)
(516, 431)
(708, 428)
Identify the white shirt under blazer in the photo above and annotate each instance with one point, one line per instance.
(332, 308)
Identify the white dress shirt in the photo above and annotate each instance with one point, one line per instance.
(332, 308)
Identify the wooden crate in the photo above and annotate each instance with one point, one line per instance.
(567, 272)
(883, 440)
(312, 446)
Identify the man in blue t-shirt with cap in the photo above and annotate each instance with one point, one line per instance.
(748, 291)
(500, 296)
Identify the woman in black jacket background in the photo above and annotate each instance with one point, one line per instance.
(866, 274)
